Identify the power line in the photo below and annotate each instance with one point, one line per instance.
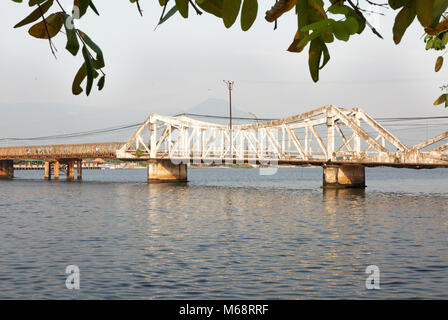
(75, 134)
(130, 126)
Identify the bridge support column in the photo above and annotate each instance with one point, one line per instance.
(79, 169)
(6, 169)
(70, 170)
(56, 170)
(344, 176)
(166, 171)
(47, 170)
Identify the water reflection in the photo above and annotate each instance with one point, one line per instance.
(226, 234)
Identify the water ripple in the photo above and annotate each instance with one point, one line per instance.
(228, 234)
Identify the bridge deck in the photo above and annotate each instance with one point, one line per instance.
(61, 151)
(109, 150)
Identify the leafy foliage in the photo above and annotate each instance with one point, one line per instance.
(51, 25)
(319, 23)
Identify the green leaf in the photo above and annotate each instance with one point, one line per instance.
(337, 9)
(429, 44)
(36, 14)
(101, 83)
(79, 78)
(168, 15)
(230, 10)
(315, 54)
(318, 26)
(396, 4)
(352, 25)
(402, 21)
(341, 31)
(326, 55)
(308, 38)
(92, 6)
(99, 54)
(211, 6)
(302, 13)
(316, 10)
(72, 45)
(182, 6)
(424, 10)
(322, 28)
(89, 69)
(439, 8)
(82, 6)
(349, 13)
(248, 14)
(34, 2)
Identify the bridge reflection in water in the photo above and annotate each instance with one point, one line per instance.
(351, 140)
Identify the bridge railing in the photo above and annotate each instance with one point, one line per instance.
(63, 151)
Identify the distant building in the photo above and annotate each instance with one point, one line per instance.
(90, 164)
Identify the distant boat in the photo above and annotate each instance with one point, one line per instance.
(108, 166)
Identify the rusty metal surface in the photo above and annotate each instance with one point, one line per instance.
(61, 151)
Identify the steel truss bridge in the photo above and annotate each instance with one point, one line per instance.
(325, 136)
(295, 139)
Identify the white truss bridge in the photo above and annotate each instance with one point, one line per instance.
(327, 135)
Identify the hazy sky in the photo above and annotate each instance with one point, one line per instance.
(183, 63)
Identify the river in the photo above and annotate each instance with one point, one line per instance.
(227, 234)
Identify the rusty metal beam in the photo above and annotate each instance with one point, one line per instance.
(61, 151)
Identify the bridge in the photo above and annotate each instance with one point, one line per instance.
(342, 141)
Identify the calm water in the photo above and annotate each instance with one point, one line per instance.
(228, 233)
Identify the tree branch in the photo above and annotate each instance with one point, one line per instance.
(359, 13)
(48, 33)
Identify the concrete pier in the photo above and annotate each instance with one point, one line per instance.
(165, 171)
(79, 169)
(70, 170)
(344, 176)
(6, 169)
(56, 166)
(47, 170)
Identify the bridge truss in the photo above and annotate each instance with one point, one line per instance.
(327, 134)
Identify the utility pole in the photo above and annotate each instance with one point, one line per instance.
(229, 85)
